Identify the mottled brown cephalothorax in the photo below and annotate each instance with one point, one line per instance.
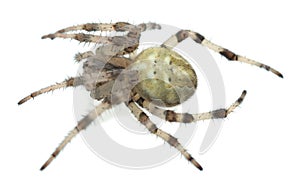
(157, 75)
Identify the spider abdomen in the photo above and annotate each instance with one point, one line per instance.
(164, 76)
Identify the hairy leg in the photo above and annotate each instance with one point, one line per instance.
(198, 38)
(71, 82)
(82, 124)
(144, 119)
(133, 32)
(172, 116)
(129, 42)
(118, 26)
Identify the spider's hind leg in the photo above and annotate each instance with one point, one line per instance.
(231, 56)
(172, 116)
(82, 124)
(144, 119)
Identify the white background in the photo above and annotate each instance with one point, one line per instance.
(258, 146)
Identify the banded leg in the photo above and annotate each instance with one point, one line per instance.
(144, 119)
(172, 116)
(126, 44)
(81, 37)
(231, 56)
(133, 32)
(82, 124)
(149, 26)
(118, 26)
(71, 82)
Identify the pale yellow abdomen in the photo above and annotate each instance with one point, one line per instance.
(164, 76)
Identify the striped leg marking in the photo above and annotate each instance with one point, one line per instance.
(72, 82)
(118, 26)
(231, 56)
(81, 37)
(144, 119)
(172, 116)
(149, 26)
(82, 124)
(129, 41)
(90, 27)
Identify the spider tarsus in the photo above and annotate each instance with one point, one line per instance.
(199, 167)
(195, 163)
(42, 168)
(236, 103)
(268, 68)
(51, 36)
(22, 101)
(279, 75)
(47, 163)
(26, 99)
(240, 100)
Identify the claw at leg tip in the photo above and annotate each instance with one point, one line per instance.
(280, 75)
(200, 168)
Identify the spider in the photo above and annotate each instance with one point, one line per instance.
(155, 73)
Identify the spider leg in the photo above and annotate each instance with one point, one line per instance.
(172, 116)
(71, 82)
(118, 26)
(133, 32)
(82, 124)
(144, 119)
(149, 26)
(80, 56)
(231, 56)
(129, 42)
(126, 44)
(81, 37)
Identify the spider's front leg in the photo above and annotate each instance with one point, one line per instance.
(231, 56)
(144, 119)
(172, 116)
(89, 27)
(118, 26)
(130, 40)
(71, 82)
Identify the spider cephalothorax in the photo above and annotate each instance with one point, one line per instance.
(157, 73)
